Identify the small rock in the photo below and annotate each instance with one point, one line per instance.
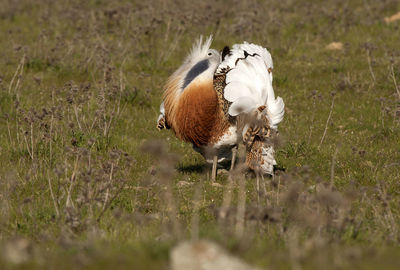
(204, 255)
(392, 18)
(335, 46)
(17, 250)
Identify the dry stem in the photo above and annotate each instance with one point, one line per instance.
(327, 122)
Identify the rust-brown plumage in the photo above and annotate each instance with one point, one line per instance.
(200, 114)
(197, 114)
(216, 99)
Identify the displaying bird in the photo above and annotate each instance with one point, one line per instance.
(215, 100)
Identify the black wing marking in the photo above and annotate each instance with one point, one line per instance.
(226, 51)
(195, 71)
(245, 56)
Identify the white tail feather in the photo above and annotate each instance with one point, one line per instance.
(249, 82)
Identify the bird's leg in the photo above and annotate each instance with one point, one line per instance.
(258, 186)
(214, 168)
(234, 153)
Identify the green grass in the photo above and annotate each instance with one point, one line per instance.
(87, 182)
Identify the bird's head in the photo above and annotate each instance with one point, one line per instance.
(199, 65)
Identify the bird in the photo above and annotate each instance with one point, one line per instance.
(217, 100)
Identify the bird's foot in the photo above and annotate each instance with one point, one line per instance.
(161, 124)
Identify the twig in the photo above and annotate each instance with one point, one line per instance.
(92, 125)
(9, 132)
(32, 140)
(109, 202)
(52, 196)
(389, 216)
(196, 207)
(333, 166)
(241, 208)
(108, 190)
(227, 199)
(327, 122)
(394, 81)
(51, 131)
(13, 78)
(258, 185)
(27, 148)
(277, 192)
(77, 118)
(20, 69)
(20, 75)
(312, 121)
(370, 66)
(17, 128)
(68, 202)
(264, 187)
(172, 209)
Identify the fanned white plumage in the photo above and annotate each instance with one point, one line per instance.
(248, 69)
(247, 88)
(249, 82)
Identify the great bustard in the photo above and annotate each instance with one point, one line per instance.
(217, 100)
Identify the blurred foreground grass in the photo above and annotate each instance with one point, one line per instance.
(88, 182)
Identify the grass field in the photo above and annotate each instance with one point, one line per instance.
(87, 181)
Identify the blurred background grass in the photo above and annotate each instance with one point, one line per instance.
(88, 182)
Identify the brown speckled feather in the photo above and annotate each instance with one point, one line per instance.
(256, 138)
(219, 86)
